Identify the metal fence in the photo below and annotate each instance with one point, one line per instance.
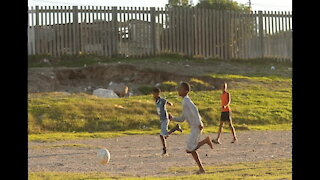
(140, 32)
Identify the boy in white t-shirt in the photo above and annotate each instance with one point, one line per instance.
(190, 113)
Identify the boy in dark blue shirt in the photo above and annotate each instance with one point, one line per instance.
(164, 118)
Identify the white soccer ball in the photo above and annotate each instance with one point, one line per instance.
(103, 156)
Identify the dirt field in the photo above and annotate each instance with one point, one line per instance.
(138, 155)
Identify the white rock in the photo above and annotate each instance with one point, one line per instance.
(106, 93)
(46, 60)
(273, 68)
(119, 88)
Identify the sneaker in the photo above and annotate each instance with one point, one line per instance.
(178, 128)
(234, 140)
(164, 151)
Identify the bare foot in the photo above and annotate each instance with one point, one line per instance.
(201, 171)
(216, 141)
(209, 142)
(165, 155)
(234, 140)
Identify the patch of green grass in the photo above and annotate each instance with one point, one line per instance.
(198, 81)
(252, 77)
(86, 146)
(268, 169)
(168, 86)
(259, 102)
(70, 176)
(58, 136)
(197, 84)
(245, 127)
(256, 105)
(90, 59)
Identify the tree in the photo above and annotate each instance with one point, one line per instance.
(172, 3)
(222, 5)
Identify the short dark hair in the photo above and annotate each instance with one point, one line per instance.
(225, 84)
(156, 90)
(186, 86)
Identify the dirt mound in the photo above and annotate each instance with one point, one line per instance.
(86, 79)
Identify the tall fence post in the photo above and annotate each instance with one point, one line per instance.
(36, 31)
(76, 37)
(115, 31)
(153, 31)
(261, 36)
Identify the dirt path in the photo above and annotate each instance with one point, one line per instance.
(138, 155)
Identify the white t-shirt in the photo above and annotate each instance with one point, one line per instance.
(190, 113)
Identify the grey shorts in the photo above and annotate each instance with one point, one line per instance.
(164, 127)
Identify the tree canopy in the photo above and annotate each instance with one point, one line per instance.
(211, 4)
(172, 3)
(222, 5)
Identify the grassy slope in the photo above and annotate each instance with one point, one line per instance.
(261, 100)
(257, 103)
(270, 169)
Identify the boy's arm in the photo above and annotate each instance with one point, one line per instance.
(170, 103)
(177, 119)
(180, 118)
(229, 101)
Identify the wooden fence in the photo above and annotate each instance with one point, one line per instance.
(140, 32)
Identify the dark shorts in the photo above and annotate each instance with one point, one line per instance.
(225, 116)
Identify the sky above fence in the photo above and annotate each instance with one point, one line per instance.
(264, 5)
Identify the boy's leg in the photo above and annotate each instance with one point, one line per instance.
(217, 141)
(193, 144)
(195, 156)
(176, 128)
(163, 144)
(207, 140)
(233, 132)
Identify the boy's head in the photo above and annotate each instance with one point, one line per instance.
(156, 93)
(184, 89)
(224, 86)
